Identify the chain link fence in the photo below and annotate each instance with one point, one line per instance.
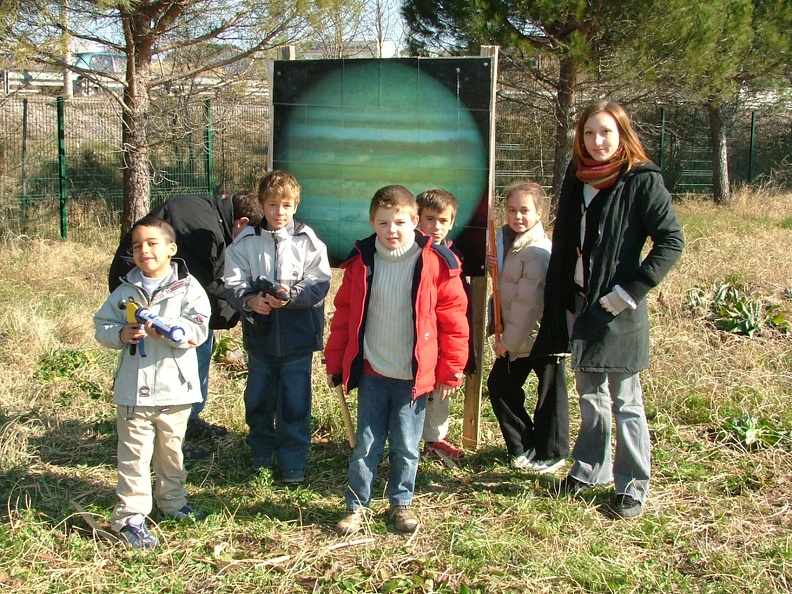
(63, 177)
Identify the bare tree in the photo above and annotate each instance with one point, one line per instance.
(357, 28)
(339, 26)
(193, 38)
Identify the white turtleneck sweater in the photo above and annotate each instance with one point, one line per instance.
(388, 342)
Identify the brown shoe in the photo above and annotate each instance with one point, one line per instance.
(403, 516)
(352, 522)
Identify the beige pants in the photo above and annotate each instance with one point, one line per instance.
(150, 436)
(436, 421)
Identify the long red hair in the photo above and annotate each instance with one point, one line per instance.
(629, 142)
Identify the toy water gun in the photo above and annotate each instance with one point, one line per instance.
(135, 312)
(266, 287)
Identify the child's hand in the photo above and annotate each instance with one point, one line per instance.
(276, 303)
(131, 333)
(444, 390)
(149, 328)
(258, 304)
(492, 260)
(500, 349)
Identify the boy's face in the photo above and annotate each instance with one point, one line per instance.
(151, 251)
(279, 212)
(393, 227)
(436, 224)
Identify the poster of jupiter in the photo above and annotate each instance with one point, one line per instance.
(348, 127)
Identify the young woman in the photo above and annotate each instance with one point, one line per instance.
(612, 200)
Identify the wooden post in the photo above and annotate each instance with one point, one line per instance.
(478, 288)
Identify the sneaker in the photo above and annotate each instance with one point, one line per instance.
(193, 452)
(571, 486)
(199, 429)
(626, 506)
(441, 446)
(185, 513)
(137, 535)
(404, 518)
(547, 466)
(293, 477)
(523, 461)
(352, 522)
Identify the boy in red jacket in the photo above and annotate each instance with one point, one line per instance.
(399, 332)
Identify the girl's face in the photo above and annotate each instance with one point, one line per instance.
(601, 136)
(521, 213)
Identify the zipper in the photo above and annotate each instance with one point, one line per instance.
(275, 318)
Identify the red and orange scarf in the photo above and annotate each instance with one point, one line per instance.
(601, 174)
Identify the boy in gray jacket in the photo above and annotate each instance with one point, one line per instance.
(156, 381)
(277, 275)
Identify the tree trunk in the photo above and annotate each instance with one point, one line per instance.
(134, 151)
(720, 156)
(567, 81)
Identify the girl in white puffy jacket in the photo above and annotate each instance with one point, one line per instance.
(540, 444)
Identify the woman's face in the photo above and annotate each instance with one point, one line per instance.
(601, 136)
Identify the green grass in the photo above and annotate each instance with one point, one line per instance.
(718, 517)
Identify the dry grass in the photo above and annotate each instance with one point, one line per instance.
(719, 517)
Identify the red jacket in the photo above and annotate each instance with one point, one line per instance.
(439, 307)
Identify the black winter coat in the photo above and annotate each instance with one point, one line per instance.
(204, 227)
(637, 208)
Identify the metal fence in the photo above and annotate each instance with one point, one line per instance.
(61, 177)
(676, 138)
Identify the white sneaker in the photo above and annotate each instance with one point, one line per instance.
(547, 466)
(523, 461)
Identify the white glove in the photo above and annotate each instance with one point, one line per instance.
(613, 303)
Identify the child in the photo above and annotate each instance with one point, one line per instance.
(156, 387)
(204, 226)
(398, 333)
(611, 201)
(436, 214)
(277, 274)
(523, 255)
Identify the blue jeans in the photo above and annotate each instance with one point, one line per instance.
(385, 411)
(204, 352)
(278, 410)
(620, 394)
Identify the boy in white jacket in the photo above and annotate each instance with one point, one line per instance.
(156, 381)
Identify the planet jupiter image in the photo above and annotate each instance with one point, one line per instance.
(345, 128)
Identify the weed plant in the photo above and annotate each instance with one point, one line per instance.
(718, 518)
